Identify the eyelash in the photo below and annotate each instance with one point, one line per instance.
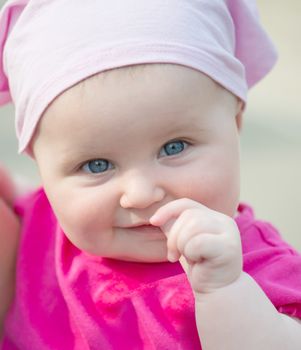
(90, 162)
(184, 145)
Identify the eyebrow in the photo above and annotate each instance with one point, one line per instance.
(90, 150)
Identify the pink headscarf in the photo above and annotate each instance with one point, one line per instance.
(46, 46)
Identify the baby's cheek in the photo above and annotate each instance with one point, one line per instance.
(215, 192)
(79, 220)
(84, 221)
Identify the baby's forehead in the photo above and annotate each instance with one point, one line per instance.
(152, 86)
(160, 99)
(166, 76)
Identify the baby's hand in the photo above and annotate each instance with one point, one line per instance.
(7, 187)
(208, 240)
(9, 238)
(9, 222)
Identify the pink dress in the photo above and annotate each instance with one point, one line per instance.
(67, 299)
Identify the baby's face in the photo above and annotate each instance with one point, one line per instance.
(114, 149)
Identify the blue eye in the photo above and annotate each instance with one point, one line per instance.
(173, 147)
(97, 166)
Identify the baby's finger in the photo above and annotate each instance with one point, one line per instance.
(173, 210)
(190, 223)
(205, 246)
(186, 226)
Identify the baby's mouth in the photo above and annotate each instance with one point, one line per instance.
(145, 228)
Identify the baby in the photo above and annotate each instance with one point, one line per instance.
(132, 111)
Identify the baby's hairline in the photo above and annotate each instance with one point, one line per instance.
(134, 69)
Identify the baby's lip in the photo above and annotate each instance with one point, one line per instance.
(142, 226)
(139, 224)
(145, 228)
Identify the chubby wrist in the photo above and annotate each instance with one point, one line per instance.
(234, 287)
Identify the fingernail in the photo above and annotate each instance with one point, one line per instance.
(172, 257)
(152, 220)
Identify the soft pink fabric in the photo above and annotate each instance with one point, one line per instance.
(66, 299)
(48, 46)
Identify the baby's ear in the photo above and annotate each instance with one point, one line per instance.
(239, 114)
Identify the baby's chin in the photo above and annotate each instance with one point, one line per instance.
(137, 258)
(145, 256)
(155, 252)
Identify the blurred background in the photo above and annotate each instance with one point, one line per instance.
(271, 137)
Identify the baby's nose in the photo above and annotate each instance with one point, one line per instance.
(141, 191)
